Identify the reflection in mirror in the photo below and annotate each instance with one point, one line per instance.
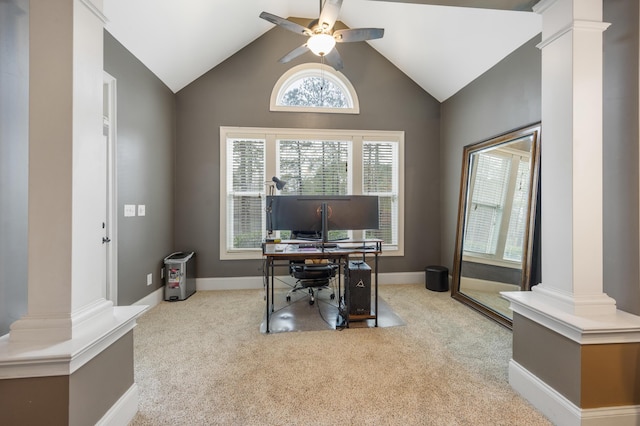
(495, 221)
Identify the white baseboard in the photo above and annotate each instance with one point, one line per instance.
(123, 411)
(229, 283)
(402, 278)
(563, 412)
(254, 283)
(152, 299)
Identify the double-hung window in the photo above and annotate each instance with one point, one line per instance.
(312, 162)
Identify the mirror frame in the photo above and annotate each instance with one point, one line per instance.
(530, 130)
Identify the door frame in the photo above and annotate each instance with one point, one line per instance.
(109, 121)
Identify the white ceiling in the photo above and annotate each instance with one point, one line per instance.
(441, 48)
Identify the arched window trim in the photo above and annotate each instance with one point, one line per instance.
(314, 70)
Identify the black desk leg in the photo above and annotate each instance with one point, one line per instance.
(376, 276)
(273, 285)
(266, 292)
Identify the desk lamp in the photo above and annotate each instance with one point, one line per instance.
(278, 184)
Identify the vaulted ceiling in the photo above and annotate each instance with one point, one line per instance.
(442, 45)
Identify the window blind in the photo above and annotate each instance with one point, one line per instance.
(314, 167)
(244, 204)
(380, 162)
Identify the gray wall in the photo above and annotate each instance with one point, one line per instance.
(145, 168)
(14, 159)
(502, 99)
(621, 275)
(236, 93)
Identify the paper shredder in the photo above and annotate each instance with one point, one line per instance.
(179, 275)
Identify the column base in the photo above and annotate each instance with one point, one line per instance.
(61, 327)
(600, 321)
(26, 358)
(88, 379)
(580, 305)
(577, 370)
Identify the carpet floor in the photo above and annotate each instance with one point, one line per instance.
(204, 361)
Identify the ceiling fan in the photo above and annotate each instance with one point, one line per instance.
(322, 38)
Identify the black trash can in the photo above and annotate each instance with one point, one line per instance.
(437, 278)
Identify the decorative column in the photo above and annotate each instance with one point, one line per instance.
(575, 356)
(68, 322)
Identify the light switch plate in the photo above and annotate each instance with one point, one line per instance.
(149, 279)
(141, 209)
(129, 210)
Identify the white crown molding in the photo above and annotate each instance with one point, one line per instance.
(95, 11)
(576, 25)
(543, 5)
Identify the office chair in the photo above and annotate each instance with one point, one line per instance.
(312, 277)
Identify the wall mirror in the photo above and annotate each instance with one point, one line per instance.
(496, 218)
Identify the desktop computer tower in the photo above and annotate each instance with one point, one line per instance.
(357, 287)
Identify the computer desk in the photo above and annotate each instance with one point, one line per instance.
(283, 252)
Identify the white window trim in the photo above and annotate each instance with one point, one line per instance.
(313, 69)
(271, 135)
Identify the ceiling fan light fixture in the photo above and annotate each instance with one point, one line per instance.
(321, 44)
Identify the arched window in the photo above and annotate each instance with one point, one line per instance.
(314, 87)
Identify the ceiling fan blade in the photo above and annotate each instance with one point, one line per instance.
(333, 58)
(301, 50)
(285, 23)
(357, 34)
(329, 13)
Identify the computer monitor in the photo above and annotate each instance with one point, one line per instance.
(303, 214)
(352, 212)
(294, 213)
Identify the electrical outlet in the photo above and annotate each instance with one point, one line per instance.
(142, 209)
(149, 279)
(129, 210)
(161, 273)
